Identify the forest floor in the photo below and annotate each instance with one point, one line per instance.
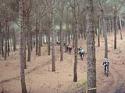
(40, 79)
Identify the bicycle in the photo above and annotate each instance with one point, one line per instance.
(106, 71)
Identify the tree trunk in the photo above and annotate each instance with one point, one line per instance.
(37, 42)
(8, 43)
(48, 42)
(29, 38)
(67, 28)
(61, 42)
(39, 45)
(0, 39)
(29, 46)
(84, 28)
(14, 40)
(99, 28)
(22, 46)
(115, 29)
(73, 34)
(76, 29)
(53, 38)
(22, 63)
(76, 52)
(53, 51)
(41, 39)
(25, 36)
(5, 34)
(91, 60)
(2, 43)
(69, 37)
(105, 36)
(120, 28)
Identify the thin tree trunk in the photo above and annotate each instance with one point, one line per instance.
(105, 34)
(39, 45)
(5, 34)
(112, 27)
(67, 28)
(53, 39)
(99, 28)
(76, 52)
(91, 60)
(73, 34)
(29, 38)
(48, 42)
(115, 29)
(61, 42)
(8, 43)
(61, 31)
(22, 46)
(37, 32)
(25, 36)
(22, 63)
(53, 51)
(41, 39)
(29, 46)
(14, 40)
(69, 37)
(84, 29)
(0, 39)
(120, 27)
(76, 29)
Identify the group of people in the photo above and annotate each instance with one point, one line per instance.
(81, 52)
(69, 48)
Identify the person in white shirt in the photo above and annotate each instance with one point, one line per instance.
(81, 52)
(106, 64)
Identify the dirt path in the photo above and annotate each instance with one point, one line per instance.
(40, 79)
(115, 83)
(119, 83)
(27, 72)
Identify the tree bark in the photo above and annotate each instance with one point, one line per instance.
(29, 37)
(22, 46)
(115, 29)
(76, 29)
(91, 60)
(120, 27)
(48, 42)
(2, 43)
(84, 27)
(0, 39)
(39, 45)
(53, 38)
(53, 51)
(104, 33)
(8, 40)
(29, 46)
(99, 29)
(14, 40)
(5, 34)
(37, 41)
(61, 42)
(76, 52)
